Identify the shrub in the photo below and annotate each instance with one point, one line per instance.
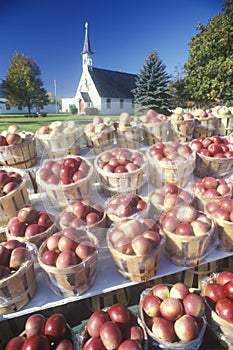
(91, 111)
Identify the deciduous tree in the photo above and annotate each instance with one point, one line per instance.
(23, 86)
(210, 64)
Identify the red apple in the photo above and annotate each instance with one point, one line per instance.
(179, 290)
(213, 291)
(27, 214)
(94, 343)
(32, 230)
(49, 257)
(163, 329)
(66, 258)
(171, 308)
(111, 335)
(18, 257)
(84, 250)
(130, 344)
(228, 289)
(224, 309)
(194, 305)
(34, 325)
(161, 290)
(15, 343)
(224, 276)
(55, 326)
(186, 328)
(95, 321)
(151, 305)
(119, 314)
(141, 245)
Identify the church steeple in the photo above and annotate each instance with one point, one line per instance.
(86, 53)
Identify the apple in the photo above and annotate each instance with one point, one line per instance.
(153, 237)
(224, 276)
(194, 305)
(32, 230)
(151, 305)
(49, 257)
(130, 344)
(18, 257)
(171, 308)
(52, 242)
(9, 187)
(141, 245)
(93, 343)
(111, 335)
(228, 289)
(66, 242)
(15, 343)
(5, 255)
(65, 344)
(135, 333)
(186, 328)
(184, 229)
(16, 227)
(213, 291)
(84, 250)
(92, 219)
(163, 329)
(27, 214)
(66, 258)
(34, 325)
(161, 290)
(95, 321)
(224, 309)
(179, 290)
(55, 326)
(4, 271)
(119, 314)
(44, 220)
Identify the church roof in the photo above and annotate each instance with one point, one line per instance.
(113, 84)
(86, 45)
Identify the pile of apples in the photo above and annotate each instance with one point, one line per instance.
(67, 248)
(57, 128)
(186, 220)
(114, 328)
(218, 293)
(151, 116)
(81, 212)
(170, 152)
(64, 171)
(14, 136)
(41, 333)
(179, 114)
(13, 254)
(9, 181)
(97, 126)
(120, 160)
(213, 146)
(135, 236)
(221, 210)
(29, 222)
(169, 195)
(172, 313)
(125, 205)
(210, 187)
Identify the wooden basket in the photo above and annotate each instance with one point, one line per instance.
(21, 156)
(220, 327)
(178, 174)
(18, 289)
(62, 195)
(156, 343)
(205, 127)
(225, 234)
(200, 202)
(137, 268)
(129, 136)
(157, 132)
(116, 183)
(101, 141)
(183, 130)
(60, 145)
(187, 250)
(210, 166)
(73, 280)
(37, 239)
(225, 125)
(11, 203)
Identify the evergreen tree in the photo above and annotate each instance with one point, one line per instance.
(151, 90)
(23, 86)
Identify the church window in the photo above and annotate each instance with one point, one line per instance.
(108, 103)
(121, 103)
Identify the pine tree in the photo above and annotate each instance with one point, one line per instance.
(151, 90)
(23, 86)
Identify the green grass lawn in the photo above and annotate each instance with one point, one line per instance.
(33, 123)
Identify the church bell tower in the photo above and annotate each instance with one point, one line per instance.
(86, 53)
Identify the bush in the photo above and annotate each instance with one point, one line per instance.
(91, 111)
(73, 110)
(43, 114)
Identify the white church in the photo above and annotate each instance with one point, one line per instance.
(108, 92)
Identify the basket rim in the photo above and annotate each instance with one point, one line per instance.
(171, 165)
(47, 137)
(19, 145)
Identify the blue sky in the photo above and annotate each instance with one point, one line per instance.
(122, 34)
